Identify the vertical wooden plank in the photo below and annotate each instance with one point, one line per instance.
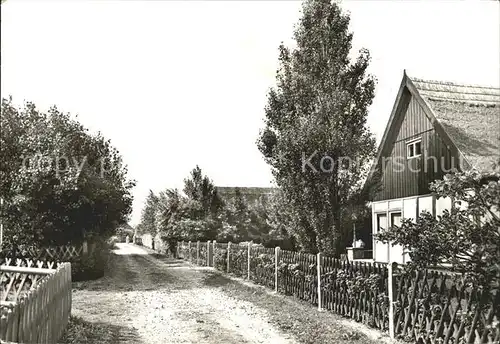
(276, 262)
(198, 252)
(249, 258)
(214, 254)
(9, 327)
(228, 256)
(318, 276)
(22, 331)
(3, 327)
(390, 283)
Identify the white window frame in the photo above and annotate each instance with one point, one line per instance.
(413, 143)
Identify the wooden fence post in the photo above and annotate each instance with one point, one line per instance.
(214, 245)
(198, 252)
(248, 259)
(391, 267)
(318, 269)
(228, 255)
(276, 260)
(189, 251)
(208, 253)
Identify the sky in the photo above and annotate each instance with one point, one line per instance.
(174, 84)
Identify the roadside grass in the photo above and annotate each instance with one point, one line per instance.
(295, 316)
(80, 331)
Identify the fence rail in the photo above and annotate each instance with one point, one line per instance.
(36, 303)
(419, 306)
(81, 257)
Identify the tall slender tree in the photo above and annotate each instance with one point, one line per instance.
(148, 215)
(315, 136)
(201, 189)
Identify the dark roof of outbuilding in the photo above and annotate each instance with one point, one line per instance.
(231, 190)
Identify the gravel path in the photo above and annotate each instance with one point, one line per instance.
(150, 299)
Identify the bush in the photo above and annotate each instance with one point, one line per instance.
(112, 242)
(93, 265)
(83, 267)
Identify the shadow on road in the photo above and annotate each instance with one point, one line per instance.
(136, 271)
(213, 279)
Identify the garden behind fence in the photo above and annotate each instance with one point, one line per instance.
(416, 306)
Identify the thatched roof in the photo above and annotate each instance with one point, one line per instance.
(470, 114)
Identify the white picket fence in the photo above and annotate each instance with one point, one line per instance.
(35, 303)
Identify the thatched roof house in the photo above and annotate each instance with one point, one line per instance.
(470, 115)
(435, 128)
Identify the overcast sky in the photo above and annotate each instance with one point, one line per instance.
(175, 84)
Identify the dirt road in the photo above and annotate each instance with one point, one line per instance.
(146, 298)
(150, 299)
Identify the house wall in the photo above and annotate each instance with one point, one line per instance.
(402, 177)
(147, 240)
(409, 207)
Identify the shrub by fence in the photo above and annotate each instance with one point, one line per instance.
(262, 266)
(431, 304)
(417, 306)
(35, 303)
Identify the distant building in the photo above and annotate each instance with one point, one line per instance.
(123, 230)
(251, 194)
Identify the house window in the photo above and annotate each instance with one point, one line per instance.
(381, 222)
(414, 148)
(396, 219)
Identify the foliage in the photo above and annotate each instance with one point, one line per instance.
(246, 221)
(93, 265)
(315, 120)
(60, 183)
(81, 331)
(148, 214)
(467, 236)
(192, 216)
(238, 260)
(220, 259)
(199, 213)
(201, 190)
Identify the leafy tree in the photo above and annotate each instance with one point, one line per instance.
(236, 219)
(60, 183)
(148, 214)
(200, 189)
(193, 216)
(467, 236)
(244, 221)
(315, 136)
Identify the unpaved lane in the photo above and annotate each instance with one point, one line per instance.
(149, 299)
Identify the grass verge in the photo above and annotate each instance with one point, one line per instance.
(80, 331)
(295, 316)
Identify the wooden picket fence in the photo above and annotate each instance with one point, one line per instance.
(82, 257)
(417, 306)
(35, 301)
(54, 254)
(434, 307)
(262, 266)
